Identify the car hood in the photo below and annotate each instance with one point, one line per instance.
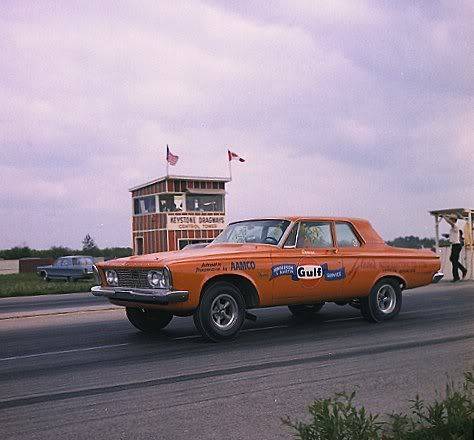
(210, 252)
(44, 267)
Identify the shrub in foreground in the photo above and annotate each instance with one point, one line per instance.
(338, 418)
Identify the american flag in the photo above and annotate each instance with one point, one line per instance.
(234, 156)
(170, 157)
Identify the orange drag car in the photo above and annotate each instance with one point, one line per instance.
(300, 262)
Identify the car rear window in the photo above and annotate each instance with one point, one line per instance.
(346, 236)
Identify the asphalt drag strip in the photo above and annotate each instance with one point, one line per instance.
(336, 355)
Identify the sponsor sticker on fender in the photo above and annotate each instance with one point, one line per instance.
(242, 265)
(307, 272)
(209, 267)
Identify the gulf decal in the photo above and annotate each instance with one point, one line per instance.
(308, 272)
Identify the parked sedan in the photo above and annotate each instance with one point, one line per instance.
(71, 268)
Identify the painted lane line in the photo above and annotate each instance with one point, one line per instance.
(179, 338)
(247, 330)
(258, 329)
(65, 312)
(74, 350)
(344, 319)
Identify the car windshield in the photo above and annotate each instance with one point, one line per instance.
(254, 231)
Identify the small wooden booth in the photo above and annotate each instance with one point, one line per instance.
(174, 211)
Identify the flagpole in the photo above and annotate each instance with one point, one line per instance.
(167, 163)
(230, 170)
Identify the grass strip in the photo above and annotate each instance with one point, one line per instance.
(29, 284)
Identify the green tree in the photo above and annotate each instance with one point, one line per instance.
(88, 245)
(413, 242)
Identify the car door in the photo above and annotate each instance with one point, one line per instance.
(354, 257)
(56, 270)
(307, 268)
(66, 268)
(77, 268)
(88, 264)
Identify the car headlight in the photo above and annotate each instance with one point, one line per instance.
(159, 278)
(111, 277)
(156, 279)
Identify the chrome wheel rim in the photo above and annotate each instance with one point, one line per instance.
(224, 311)
(386, 299)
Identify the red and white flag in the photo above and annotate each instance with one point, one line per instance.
(234, 156)
(170, 157)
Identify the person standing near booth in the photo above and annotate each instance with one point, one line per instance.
(456, 247)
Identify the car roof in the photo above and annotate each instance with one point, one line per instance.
(363, 226)
(77, 256)
(294, 218)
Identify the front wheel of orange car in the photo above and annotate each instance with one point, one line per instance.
(221, 312)
(384, 301)
(148, 321)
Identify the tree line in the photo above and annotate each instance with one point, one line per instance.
(89, 247)
(410, 241)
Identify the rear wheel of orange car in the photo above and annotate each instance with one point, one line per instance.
(148, 321)
(221, 312)
(384, 301)
(305, 310)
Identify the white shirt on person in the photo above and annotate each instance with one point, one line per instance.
(454, 235)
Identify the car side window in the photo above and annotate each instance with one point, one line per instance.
(275, 232)
(345, 236)
(314, 235)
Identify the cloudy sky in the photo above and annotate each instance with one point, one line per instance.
(339, 107)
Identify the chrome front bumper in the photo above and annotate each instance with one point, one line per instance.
(437, 276)
(152, 296)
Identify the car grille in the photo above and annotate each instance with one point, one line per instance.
(132, 278)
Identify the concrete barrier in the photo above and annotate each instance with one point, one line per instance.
(8, 267)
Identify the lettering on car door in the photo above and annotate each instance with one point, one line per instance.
(308, 267)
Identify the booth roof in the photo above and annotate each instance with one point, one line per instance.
(458, 212)
(171, 177)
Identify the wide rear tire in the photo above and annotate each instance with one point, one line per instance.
(384, 301)
(305, 310)
(221, 313)
(147, 320)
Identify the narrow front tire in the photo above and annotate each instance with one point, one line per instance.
(148, 321)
